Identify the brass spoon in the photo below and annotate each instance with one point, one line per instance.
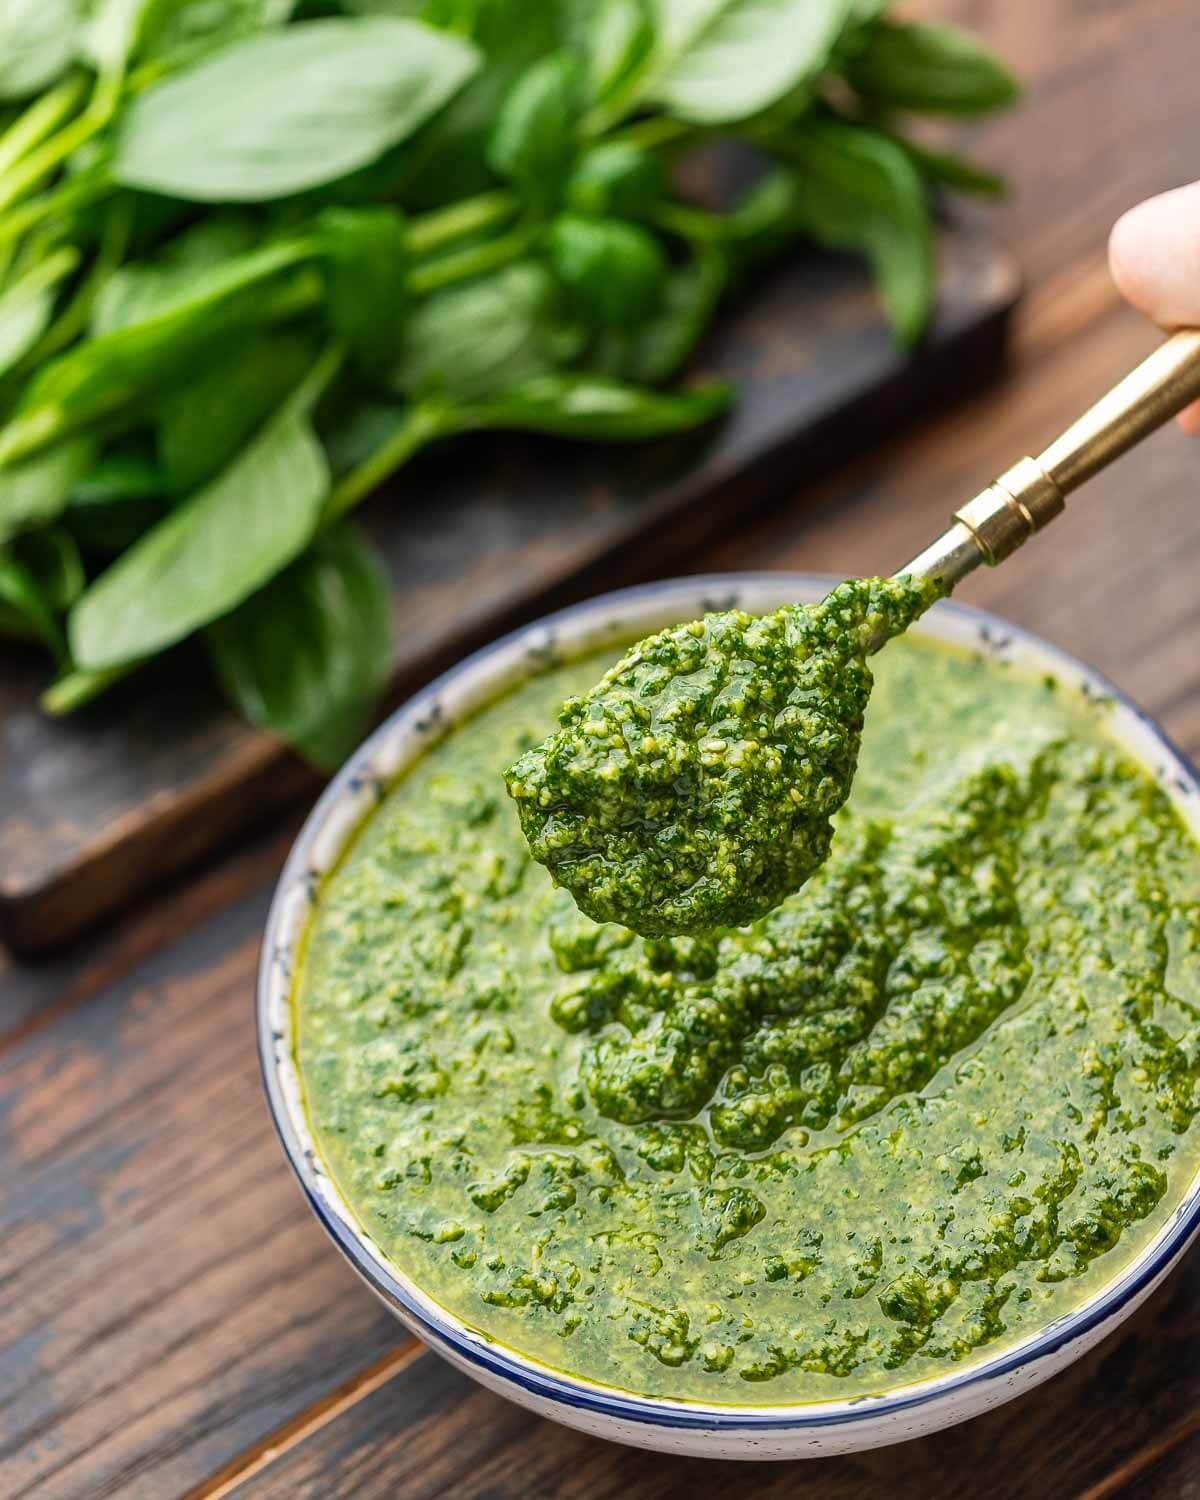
(1030, 494)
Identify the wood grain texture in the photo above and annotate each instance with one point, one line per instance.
(1173, 1469)
(479, 536)
(167, 1298)
(34, 993)
(172, 1324)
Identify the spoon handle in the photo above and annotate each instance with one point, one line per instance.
(1030, 494)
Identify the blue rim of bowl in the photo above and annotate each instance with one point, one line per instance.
(446, 1332)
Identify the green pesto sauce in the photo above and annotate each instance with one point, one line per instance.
(693, 787)
(927, 1105)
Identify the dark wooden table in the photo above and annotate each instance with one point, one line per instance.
(173, 1322)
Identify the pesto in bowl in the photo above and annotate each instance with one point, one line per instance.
(932, 1103)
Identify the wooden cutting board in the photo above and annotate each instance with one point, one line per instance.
(481, 536)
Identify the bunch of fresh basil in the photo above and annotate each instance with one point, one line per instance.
(254, 254)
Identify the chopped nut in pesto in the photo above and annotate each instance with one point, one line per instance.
(693, 787)
(927, 1105)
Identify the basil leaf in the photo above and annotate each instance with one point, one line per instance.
(352, 431)
(37, 490)
(27, 305)
(72, 689)
(857, 31)
(412, 10)
(767, 217)
(723, 60)
(618, 179)
(183, 30)
(119, 475)
(170, 33)
(309, 655)
(857, 190)
(937, 69)
(953, 171)
(678, 24)
(447, 160)
(661, 347)
(142, 289)
(111, 35)
(201, 425)
(365, 258)
(468, 341)
(24, 317)
(615, 270)
(535, 136)
(448, 157)
(506, 31)
(38, 41)
(25, 609)
(590, 406)
(40, 575)
(118, 498)
(215, 549)
(101, 375)
(289, 110)
(52, 556)
(614, 37)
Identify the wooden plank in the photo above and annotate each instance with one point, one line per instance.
(479, 536)
(34, 993)
(1168, 1470)
(431, 1431)
(167, 1297)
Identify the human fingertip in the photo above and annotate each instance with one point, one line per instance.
(1128, 261)
(1189, 420)
(1154, 256)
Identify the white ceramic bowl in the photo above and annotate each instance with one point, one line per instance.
(764, 1432)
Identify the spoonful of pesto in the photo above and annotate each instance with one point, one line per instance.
(693, 787)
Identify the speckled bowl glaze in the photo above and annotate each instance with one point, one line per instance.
(751, 1431)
